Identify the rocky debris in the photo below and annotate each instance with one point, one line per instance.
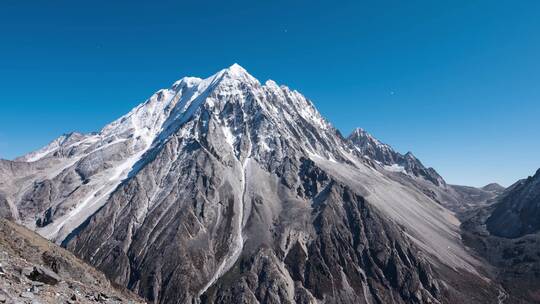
(26, 279)
(27, 295)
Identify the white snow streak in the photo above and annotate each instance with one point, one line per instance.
(395, 168)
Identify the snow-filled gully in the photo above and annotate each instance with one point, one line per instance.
(238, 240)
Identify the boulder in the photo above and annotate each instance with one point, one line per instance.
(41, 274)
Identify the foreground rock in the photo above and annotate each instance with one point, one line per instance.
(33, 270)
(40, 274)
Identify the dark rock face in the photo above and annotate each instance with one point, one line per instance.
(354, 257)
(361, 256)
(516, 262)
(5, 210)
(518, 212)
(506, 234)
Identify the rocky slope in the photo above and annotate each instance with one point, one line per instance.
(506, 233)
(33, 270)
(459, 199)
(468, 199)
(518, 211)
(226, 190)
(494, 187)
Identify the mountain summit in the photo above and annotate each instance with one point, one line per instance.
(225, 190)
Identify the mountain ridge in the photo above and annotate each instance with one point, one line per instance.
(371, 147)
(507, 234)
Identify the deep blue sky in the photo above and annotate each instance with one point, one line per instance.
(456, 82)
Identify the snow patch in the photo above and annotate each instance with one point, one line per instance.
(229, 137)
(395, 168)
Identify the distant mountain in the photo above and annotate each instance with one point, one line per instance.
(471, 198)
(506, 232)
(459, 199)
(226, 190)
(518, 211)
(493, 187)
(382, 153)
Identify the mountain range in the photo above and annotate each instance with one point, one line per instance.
(228, 190)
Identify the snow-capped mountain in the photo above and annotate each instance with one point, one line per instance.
(226, 190)
(385, 155)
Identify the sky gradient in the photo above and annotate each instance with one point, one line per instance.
(455, 82)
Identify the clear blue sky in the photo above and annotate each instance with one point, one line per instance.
(456, 82)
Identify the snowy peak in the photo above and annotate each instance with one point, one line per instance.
(167, 110)
(236, 71)
(361, 135)
(58, 143)
(410, 156)
(372, 148)
(236, 74)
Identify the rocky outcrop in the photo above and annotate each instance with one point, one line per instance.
(33, 270)
(40, 274)
(5, 208)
